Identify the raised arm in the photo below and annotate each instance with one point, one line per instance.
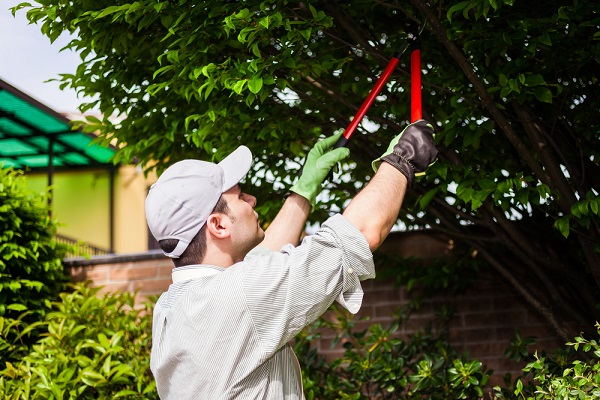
(290, 221)
(288, 224)
(374, 210)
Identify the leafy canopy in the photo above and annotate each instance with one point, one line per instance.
(511, 85)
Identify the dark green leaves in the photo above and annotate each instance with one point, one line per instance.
(511, 88)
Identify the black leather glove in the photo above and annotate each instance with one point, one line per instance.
(412, 151)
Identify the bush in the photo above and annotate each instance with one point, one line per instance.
(99, 348)
(377, 364)
(92, 348)
(573, 373)
(31, 270)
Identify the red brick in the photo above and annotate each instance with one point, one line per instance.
(366, 311)
(505, 364)
(327, 344)
(462, 336)
(132, 273)
(495, 380)
(507, 303)
(155, 286)
(483, 351)
(474, 304)
(95, 274)
(331, 355)
(165, 270)
(150, 263)
(360, 326)
(386, 296)
(416, 323)
(550, 345)
(457, 322)
(115, 287)
(505, 318)
(386, 310)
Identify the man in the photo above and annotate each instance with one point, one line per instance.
(239, 294)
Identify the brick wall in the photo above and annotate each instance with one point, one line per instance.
(149, 273)
(486, 317)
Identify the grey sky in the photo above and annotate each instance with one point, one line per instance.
(27, 60)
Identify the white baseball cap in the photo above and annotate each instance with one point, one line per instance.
(183, 197)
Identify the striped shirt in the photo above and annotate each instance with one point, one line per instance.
(223, 333)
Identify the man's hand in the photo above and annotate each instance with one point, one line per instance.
(412, 151)
(317, 165)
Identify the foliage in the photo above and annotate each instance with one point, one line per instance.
(93, 348)
(571, 374)
(31, 270)
(16, 336)
(377, 364)
(429, 276)
(99, 348)
(510, 85)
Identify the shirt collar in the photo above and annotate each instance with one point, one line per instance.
(193, 272)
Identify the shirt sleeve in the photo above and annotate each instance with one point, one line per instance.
(287, 290)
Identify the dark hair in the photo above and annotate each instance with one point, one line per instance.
(196, 250)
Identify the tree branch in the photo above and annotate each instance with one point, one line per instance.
(486, 100)
(352, 28)
(523, 291)
(566, 197)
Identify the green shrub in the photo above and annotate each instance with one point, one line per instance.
(31, 270)
(93, 348)
(15, 337)
(572, 373)
(377, 364)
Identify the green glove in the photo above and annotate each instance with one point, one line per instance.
(412, 151)
(317, 165)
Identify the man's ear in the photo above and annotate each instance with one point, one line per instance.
(218, 225)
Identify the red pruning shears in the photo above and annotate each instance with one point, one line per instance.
(415, 85)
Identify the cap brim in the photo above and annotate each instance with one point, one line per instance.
(235, 166)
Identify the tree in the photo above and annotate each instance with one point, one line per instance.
(511, 85)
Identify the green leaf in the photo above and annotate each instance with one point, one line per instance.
(594, 205)
(110, 10)
(92, 378)
(162, 70)
(238, 86)
(255, 84)
(456, 8)
(543, 94)
(264, 22)
(563, 226)
(306, 34)
(427, 197)
(534, 80)
(17, 307)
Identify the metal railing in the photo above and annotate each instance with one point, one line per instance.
(82, 248)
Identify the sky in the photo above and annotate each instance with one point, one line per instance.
(28, 60)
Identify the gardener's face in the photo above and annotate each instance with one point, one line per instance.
(246, 232)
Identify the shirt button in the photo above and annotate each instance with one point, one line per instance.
(350, 271)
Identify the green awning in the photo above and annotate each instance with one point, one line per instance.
(32, 134)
